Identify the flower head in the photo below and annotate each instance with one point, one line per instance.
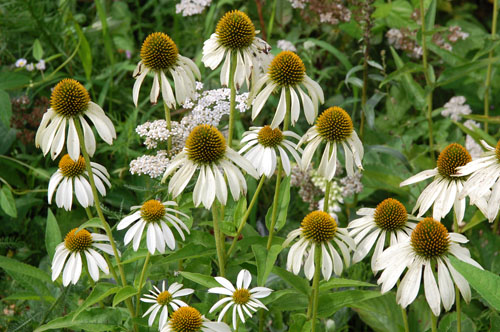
(235, 30)
(189, 319)
(21, 63)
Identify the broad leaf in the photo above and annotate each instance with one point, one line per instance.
(330, 303)
(99, 293)
(123, 294)
(5, 108)
(299, 283)
(52, 233)
(204, 280)
(265, 260)
(95, 319)
(341, 282)
(13, 265)
(7, 202)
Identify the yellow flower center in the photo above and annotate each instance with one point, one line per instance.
(79, 241)
(69, 98)
(287, 69)
(186, 319)
(70, 168)
(497, 150)
(334, 124)
(235, 30)
(164, 298)
(152, 211)
(270, 137)
(453, 156)
(390, 215)
(319, 226)
(430, 239)
(205, 144)
(159, 52)
(241, 296)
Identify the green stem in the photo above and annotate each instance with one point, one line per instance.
(490, 65)
(271, 22)
(218, 244)
(246, 215)
(326, 201)
(317, 271)
(169, 124)
(495, 224)
(139, 287)
(403, 310)
(232, 101)
(458, 309)
(433, 322)
(261, 320)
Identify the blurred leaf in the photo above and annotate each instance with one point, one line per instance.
(189, 251)
(407, 68)
(94, 222)
(10, 264)
(296, 282)
(392, 152)
(351, 71)
(330, 303)
(7, 202)
(5, 108)
(483, 118)
(370, 107)
(344, 60)
(341, 282)
(101, 291)
(430, 16)
(84, 52)
(412, 89)
(265, 260)
(284, 200)
(452, 74)
(477, 134)
(204, 280)
(382, 314)
(476, 219)
(123, 294)
(52, 234)
(95, 319)
(449, 323)
(28, 296)
(37, 50)
(12, 80)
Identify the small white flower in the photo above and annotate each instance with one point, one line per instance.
(189, 319)
(21, 63)
(242, 299)
(30, 67)
(286, 45)
(456, 107)
(40, 65)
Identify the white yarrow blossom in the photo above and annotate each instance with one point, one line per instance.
(155, 216)
(429, 247)
(69, 254)
(69, 103)
(72, 177)
(160, 56)
(243, 299)
(162, 299)
(189, 319)
(455, 108)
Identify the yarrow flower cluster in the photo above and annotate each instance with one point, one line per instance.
(455, 108)
(192, 7)
(286, 45)
(352, 184)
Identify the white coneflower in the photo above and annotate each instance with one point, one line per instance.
(189, 319)
(75, 245)
(206, 149)
(154, 215)
(72, 177)
(242, 299)
(262, 146)
(483, 182)
(334, 127)
(428, 249)
(286, 73)
(70, 102)
(159, 55)
(316, 232)
(162, 299)
(443, 192)
(235, 33)
(389, 218)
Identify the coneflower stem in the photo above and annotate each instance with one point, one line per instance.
(433, 322)
(218, 240)
(139, 287)
(403, 310)
(315, 286)
(232, 100)
(271, 22)
(169, 126)
(246, 215)
(490, 65)
(457, 292)
(326, 201)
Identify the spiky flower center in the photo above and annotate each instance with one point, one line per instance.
(70, 168)
(241, 296)
(186, 319)
(287, 69)
(152, 211)
(390, 214)
(430, 239)
(270, 137)
(164, 298)
(319, 226)
(205, 144)
(497, 150)
(334, 124)
(79, 241)
(235, 30)
(159, 52)
(69, 98)
(453, 156)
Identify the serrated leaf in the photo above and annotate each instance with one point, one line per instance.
(201, 279)
(100, 292)
(10, 264)
(52, 234)
(37, 50)
(5, 108)
(123, 294)
(449, 323)
(7, 202)
(95, 319)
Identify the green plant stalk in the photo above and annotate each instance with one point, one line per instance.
(278, 176)
(315, 286)
(490, 65)
(433, 322)
(107, 228)
(232, 101)
(246, 215)
(495, 224)
(261, 320)
(271, 22)
(169, 125)
(139, 287)
(218, 244)
(326, 201)
(457, 292)
(403, 310)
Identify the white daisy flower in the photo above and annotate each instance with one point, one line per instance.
(73, 175)
(429, 247)
(286, 73)
(160, 55)
(207, 150)
(388, 219)
(235, 34)
(262, 146)
(69, 103)
(155, 215)
(334, 127)
(189, 319)
(443, 192)
(483, 181)
(316, 232)
(21, 63)
(162, 299)
(242, 299)
(75, 245)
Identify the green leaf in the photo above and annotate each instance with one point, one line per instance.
(370, 107)
(382, 313)
(187, 252)
(84, 52)
(484, 282)
(411, 87)
(123, 294)
(476, 219)
(341, 282)
(265, 260)
(7, 202)
(94, 222)
(296, 282)
(10, 264)
(330, 303)
(37, 50)
(392, 152)
(452, 74)
(99, 293)
(95, 319)
(477, 134)
(430, 16)
(52, 233)
(284, 200)
(13, 80)
(204, 280)
(28, 296)
(449, 323)
(239, 211)
(5, 108)
(407, 68)
(483, 118)
(344, 60)
(351, 71)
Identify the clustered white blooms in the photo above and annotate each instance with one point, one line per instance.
(471, 145)
(455, 108)
(352, 184)
(286, 45)
(192, 7)
(23, 63)
(301, 4)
